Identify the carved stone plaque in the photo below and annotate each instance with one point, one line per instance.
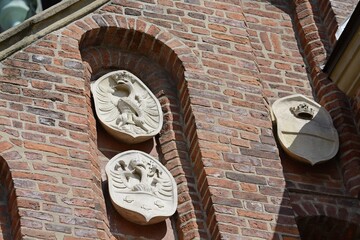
(305, 129)
(126, 108)
(141, 189)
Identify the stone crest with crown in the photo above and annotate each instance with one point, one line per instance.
(305, 129)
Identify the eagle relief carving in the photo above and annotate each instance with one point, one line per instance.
(141, 189)
(126, 108)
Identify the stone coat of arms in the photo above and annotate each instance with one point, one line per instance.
(305, 129)
(126, 108)
(142, 190)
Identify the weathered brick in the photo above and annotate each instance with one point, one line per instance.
(22, 64)
(5, 146)
(246, 178)
(58, 228)
(35, 176)
(45, 148)
(46, 113)
(43, 94)
(255, 215)
(38, 215)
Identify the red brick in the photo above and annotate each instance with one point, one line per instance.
(45, 148)
(257, 233)
(28, 204)
(5, 146)
(22, 64)
(258, 225)
(40, 51)
(255, 215)
(33, 176)
(76, 182)
(38, 234)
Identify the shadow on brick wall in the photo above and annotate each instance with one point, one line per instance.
(322, 207)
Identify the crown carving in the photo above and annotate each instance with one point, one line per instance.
(303, 111)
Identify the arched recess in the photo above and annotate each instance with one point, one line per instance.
(326, 217)
(323, 227)
(9, 218)
(155, 57)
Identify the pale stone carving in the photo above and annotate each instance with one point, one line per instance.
(305, 129)
(126, 108)
(141, 189)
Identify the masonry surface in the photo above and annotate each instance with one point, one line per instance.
(216, 67)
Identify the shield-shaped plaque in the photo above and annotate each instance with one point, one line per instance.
(305, 129)
(126, 108)
(141, 189)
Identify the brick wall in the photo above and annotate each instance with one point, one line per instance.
(333, 13)
(331, 200)
(343, 9)
(215, 66)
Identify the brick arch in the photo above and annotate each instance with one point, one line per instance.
(134, 35)
(102, 38)
(326, 207)
(136, 42)
(9, 215)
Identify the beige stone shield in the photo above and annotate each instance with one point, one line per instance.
(305, 129)
(126, 108)
(141, 189)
